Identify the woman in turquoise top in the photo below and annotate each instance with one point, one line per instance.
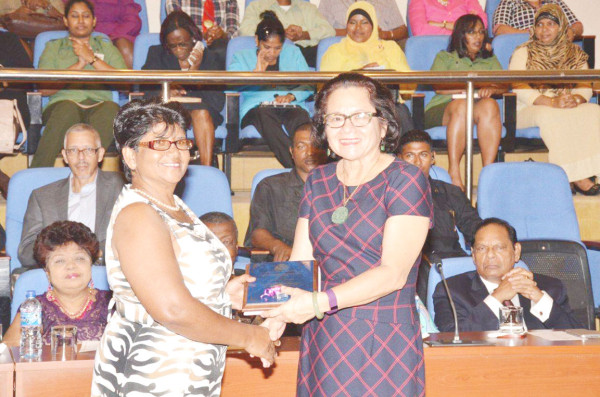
(77, 103)
(468, 50)
(268, 108)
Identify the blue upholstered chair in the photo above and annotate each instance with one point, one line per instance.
(260, 175)
(36, 280)
(143, 16)
(324, 46)
(534, 198)
(490, 7)
(21, 185)
(452, 267)
(205, 189)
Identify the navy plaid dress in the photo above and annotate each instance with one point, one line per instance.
(374, 349)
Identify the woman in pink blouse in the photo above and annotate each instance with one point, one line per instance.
(431, 17)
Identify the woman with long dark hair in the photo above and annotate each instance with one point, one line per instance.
(468, 50)
(270, 108)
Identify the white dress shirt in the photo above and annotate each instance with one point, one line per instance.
(541, 309)
(82, 205)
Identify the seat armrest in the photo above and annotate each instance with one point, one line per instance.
(232, 122)
(418, 111)
(589, 46)
(510, 121)
(136, 95)
(34, 103)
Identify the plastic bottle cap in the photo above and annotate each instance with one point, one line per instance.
(30, 294)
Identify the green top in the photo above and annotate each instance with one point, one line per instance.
(450, 61)
(59, 55)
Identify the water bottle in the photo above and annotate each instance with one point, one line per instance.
(31, 327)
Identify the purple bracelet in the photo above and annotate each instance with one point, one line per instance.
(332, 301)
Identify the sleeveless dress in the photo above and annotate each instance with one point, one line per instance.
(139, 357)
(373, 349)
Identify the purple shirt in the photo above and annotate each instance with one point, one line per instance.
(117, 18)
(89, 327)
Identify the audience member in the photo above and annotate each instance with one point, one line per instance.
(430, 17)
(391, 23)
(224, 228)
(86, 196)
(362, 49)
(517, 16)
(452, 211)
(304, 24)
(178, 36)
(479, 294)
(267, 108)
(467, 50)
(274, 207)
(76, 103)
(119, 20)
(218, 19)
(13, 55)
(67, 250)
(568, 123)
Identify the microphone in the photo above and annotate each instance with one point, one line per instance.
(456, 341)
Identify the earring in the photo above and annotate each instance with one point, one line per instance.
(382, 146)
(328, 152)
(91, 285)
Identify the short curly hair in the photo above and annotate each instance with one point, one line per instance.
(137, 118)
(380, 97)
(61, 233)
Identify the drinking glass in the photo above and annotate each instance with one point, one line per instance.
(63, 340)
(511, 320)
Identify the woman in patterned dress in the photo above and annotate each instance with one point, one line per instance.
(169, 332)
(364, 220)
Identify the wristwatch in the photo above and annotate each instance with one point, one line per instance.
(94, 60)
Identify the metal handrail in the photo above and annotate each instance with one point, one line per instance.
(260, 78)
(165, 78)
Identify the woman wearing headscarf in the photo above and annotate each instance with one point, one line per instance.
(569, 125)
(363, 49)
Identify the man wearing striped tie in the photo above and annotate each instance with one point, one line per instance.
(478, 295)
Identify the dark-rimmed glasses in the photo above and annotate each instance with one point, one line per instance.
(87, 151)
(164, 144)
(359, 119)
(182, 45)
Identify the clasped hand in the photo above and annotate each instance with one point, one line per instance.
(517, 281)
(298, 310)
(293, 32)
(565, 101)
(83, 50)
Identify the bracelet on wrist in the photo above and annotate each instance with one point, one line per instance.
(318, 314)
(333, 305)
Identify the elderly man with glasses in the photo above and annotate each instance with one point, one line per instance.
(86, 196)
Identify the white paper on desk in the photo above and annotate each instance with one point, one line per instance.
(89, 346)
(552, 335)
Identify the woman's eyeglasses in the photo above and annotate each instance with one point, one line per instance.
(164, 144)
(182, 45)
(359, 119)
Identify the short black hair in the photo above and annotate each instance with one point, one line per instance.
(379, 96)
(88, 3)
(218, 217)
(61, 233)
(269, 26)
(457, 39)
(414, 136)
(512, 233)
(137, 118)
(178, 20)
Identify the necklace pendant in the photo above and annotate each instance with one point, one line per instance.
(340, 215)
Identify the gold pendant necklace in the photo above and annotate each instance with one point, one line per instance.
(53, 298)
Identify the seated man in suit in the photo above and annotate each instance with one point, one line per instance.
(478, 295)
(274, 207)
(452, 210)
(86, 196)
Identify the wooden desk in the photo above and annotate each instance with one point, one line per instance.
(530, 367)
(7, 370)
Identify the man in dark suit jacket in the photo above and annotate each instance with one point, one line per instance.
(478, 295)
(71, 198)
